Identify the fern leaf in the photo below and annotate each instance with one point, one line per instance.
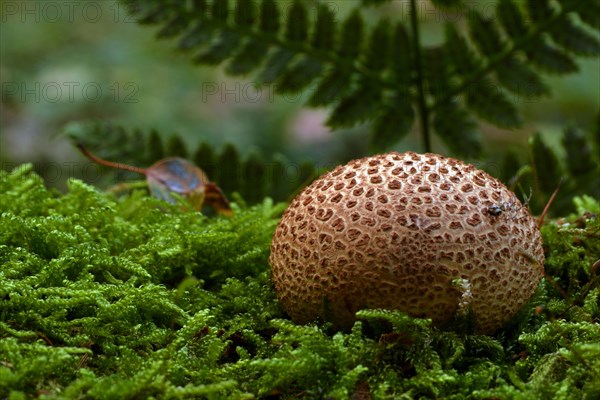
(378, 52)
(229, 170)
(114, 142)
(176, 147)
(220, 10)
(358, 107)
(269, 17)
(254, 184)
(244, 13)
(147, 12)
(297, 29)
(205, 158)
(276, 65)
(173, 28)
(457, 130)
(220, 50)
(393, 124)
(590, 12)
(247, 59)
(540, 10)
(509, 167)
(579, 154)
(300, 75)
(488, 101)
(200, 34)
(155, 146)
(281, 184)
(333, 86)
(436, 71)
(520, 79)
(324, 33)
(546, 166)
(463, 58)
(550, 59)
(511, 19)
(575, 39)
(401, 57)
(200, 7)
(352, 36)
(485, 34)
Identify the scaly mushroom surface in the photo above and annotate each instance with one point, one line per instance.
(422, 233)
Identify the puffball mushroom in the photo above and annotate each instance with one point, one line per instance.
(421, 233)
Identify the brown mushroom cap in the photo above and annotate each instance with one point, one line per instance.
(421, 233)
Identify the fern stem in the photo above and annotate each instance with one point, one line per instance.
(509, 50)
(421, 103)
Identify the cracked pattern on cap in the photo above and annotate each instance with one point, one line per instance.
(399, 231)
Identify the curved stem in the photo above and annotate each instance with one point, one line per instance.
(111, 164)
(421, 103)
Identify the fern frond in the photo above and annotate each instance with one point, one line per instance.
(546, 165)
(574, 167)
(254, 184)
(330, 89)
(357, 107)
(364, 73)
(457, 130)
(392, 124)
(485, 33)
(299, 75)
(230, 170)
(521, 80)
(540, 10)
(336, 83)
(575, 39)
(511, 19)
(352, 36)
(176, 147)
(548, 58)
(498, 63)
(252, 176)
(402, 56)
(461, 55)
(378, 49)
(579, 158)
(489, 102)
(205, 157)
(324, 32)
(590, 15)
(293, 54)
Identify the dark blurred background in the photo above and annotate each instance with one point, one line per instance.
(68, 61)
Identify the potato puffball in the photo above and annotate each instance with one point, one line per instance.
(422, 233)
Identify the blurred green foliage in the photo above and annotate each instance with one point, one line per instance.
(107, 67)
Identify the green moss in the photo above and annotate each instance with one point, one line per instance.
(135, 298)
